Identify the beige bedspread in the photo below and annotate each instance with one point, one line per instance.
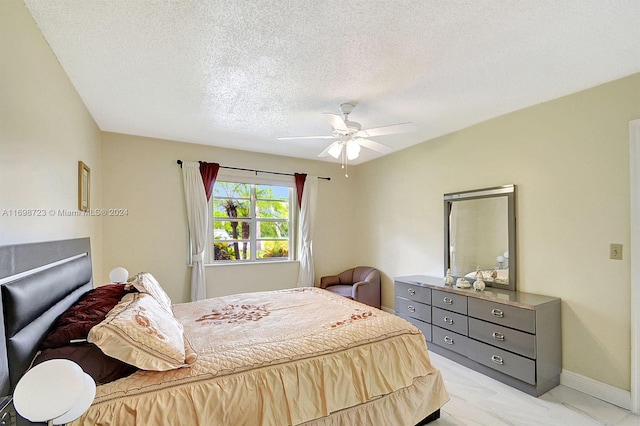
(278, 358)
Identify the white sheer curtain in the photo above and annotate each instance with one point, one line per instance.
(198, 218)
(453, 236)
(305, 231)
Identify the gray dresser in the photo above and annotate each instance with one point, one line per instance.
(511, 336)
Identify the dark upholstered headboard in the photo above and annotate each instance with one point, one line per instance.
(38, 282)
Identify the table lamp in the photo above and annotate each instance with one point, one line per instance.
(119, 275)
(56, 391)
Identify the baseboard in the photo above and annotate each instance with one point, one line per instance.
(603, 391)
(384, 308)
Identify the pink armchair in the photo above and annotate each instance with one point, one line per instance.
(361, 284)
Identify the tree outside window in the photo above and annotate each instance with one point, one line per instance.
(251, 222)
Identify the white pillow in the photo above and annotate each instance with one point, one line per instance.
(144, 282)
(141, 332)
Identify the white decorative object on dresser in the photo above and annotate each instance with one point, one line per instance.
(511, 336)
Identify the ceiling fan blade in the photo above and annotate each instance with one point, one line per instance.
(287, 138)
(327, 149)
(376, 146)
(388, 130)
(337, 122)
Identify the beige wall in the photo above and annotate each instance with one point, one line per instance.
(141, 175)
(569, 158)
(45, 130)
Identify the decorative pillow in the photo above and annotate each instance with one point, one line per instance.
(89, 310)
(141, 332)
(102, 368)
(144, 282)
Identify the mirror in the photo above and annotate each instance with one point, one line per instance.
(480, 234)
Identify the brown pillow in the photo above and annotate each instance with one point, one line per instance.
(102, 368)
(89, 310)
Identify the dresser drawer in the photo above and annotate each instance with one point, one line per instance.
(506, 362)
(503, 337)
(413, 309)
(450, 340)
(498, 313)
(422, 326)
(449, 301)
(413, 292)
(449, 320)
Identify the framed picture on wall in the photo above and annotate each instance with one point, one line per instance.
(84, 187)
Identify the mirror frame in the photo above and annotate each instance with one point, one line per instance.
(508, 191)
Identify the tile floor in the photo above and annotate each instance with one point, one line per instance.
(477, 400)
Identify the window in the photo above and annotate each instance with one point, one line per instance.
(251, 222)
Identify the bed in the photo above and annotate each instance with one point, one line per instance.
(266, 358)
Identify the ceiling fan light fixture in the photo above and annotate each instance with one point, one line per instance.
(353, 150)
(335, 150)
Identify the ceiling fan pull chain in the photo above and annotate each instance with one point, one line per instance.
(345, 162)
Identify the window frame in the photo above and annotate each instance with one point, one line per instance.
(254, 221)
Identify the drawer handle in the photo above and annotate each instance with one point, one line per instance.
(497, 313)
(497, 359)
(498, 336)
(448, 320)
(411, 308)
(448, 300)
(448, 340)
(412, 292)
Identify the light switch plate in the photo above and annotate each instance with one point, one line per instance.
(615, 251)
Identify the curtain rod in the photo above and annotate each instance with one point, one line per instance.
(179, 162)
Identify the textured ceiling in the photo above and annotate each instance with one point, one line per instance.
(240, 74)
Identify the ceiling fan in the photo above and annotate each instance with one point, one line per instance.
(351, 136)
